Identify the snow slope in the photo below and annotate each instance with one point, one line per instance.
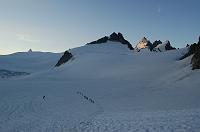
(29, 61)
(107, 88)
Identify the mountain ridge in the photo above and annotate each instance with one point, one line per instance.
(114, 37)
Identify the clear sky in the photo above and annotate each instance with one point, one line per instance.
(56, 25)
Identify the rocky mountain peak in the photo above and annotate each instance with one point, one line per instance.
(168, 45)
(156, 43)
(144, 43)
(144, 40)
(114, 37)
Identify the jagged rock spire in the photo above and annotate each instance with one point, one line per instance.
(144, 43)
(144, 40)
(114, 37)
(168, 46)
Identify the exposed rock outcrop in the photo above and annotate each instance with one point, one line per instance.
(163, 46)
(156, 43)
(194, 50)
(65, 58)
(196, 60)
(144, 43)
(168, 46)
(113, 37)
(157, 46)
(119, 38)
(199, 40)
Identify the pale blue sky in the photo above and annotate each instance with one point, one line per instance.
(56, 25)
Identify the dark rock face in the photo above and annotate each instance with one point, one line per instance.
(199, 40)
(192, 49)
(196, 60)
(65, 58)
(168, 46)
(113, 37)
(156, 43)
(118, 38)
(124, 41)
(121, 39)
(195, 49)
(150, 45)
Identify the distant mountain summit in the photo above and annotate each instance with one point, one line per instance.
(144, 43)
(156, 43)
(164, 46)
(157, 46)
(114, 37)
